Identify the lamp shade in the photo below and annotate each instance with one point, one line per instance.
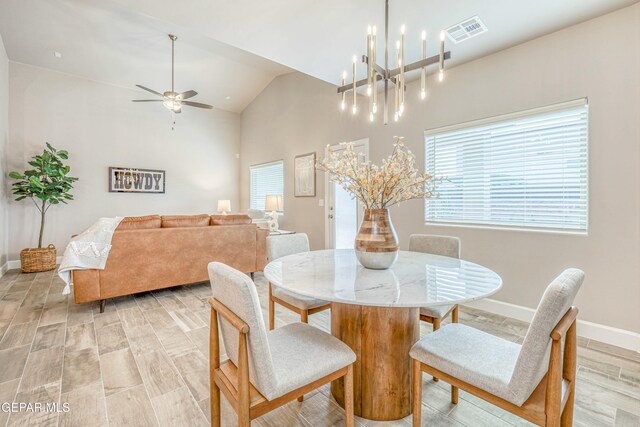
(224, 205)
(273, 202)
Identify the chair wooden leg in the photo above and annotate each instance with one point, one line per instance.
(569, 373)
(272, 310)
(567, 415)
(244, 401)
(436, 326)
(304, 318)
(454, 389)
(416, 404)
(102, 303)
(348, 396)
(215, 405)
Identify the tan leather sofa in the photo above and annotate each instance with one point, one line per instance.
(155, 252)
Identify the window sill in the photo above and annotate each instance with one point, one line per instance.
(577, 233)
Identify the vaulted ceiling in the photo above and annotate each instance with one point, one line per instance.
(233, 49)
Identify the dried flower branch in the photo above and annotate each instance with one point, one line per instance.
(396, 181)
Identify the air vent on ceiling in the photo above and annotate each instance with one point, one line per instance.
(466, 29)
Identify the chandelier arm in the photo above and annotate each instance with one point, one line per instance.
(419, 64)
(392, 73)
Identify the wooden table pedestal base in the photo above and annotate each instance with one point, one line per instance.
(381, 337)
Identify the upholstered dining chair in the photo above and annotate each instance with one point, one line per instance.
(436, 245)
(535, 380)
(281, 246)
(266, 370)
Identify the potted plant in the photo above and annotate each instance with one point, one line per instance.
(378, 188)
(46, 185)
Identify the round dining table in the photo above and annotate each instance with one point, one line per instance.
(377, 313)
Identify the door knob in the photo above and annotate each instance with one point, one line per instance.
(330, 216)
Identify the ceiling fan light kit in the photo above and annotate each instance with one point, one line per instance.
(394, 76)
(172, 100)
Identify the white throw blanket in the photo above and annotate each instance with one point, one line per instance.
(88, 250)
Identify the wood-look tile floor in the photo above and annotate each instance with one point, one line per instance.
(145, 362)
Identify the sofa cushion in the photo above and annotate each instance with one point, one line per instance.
(139, 222)
(173, 221)
(230, 219)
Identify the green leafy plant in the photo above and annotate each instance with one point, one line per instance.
(47, 184)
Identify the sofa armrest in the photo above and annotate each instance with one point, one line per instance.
(86, 285)
(261, 248)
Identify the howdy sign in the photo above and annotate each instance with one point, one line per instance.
(129, 180)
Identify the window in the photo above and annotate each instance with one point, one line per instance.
(522, 170)
(266, 178)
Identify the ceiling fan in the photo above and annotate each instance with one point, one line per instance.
(172, 100)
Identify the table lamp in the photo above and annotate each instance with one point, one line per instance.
(273, 203)
(224, 206)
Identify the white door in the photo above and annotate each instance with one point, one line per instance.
(343, 213)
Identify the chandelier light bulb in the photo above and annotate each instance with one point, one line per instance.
(374, 108)
(371, 117)
(354, 109)
(441, 75)
(395, 117)
(344, 75)
(355, 59)
(441, 36)
(343, 105)
(374, 30)
(369, 30)
(369, 91)
(423, 94)
(401, 111)
(402, 29)
(424, 35)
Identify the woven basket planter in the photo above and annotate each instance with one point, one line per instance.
(38, 259)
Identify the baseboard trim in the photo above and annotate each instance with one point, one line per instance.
(16, 264)
(595, 331)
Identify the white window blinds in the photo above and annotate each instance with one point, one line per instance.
(522, 170)
(266, 179)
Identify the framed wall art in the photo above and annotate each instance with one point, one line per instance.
(133, 180)
(304, 175)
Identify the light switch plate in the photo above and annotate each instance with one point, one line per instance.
(320, 202)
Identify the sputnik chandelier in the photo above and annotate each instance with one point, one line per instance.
(394, 76)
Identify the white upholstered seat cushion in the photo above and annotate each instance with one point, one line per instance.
(299, 301)
(473, 356)
(437, 312)
(302, 354)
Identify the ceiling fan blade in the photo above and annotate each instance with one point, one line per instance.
(197, 104)
(188, 94)
(146, 100)
(149, 90)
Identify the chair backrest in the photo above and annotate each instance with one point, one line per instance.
(436, 245)
(533, 361)
(286, 244)
(238, 293)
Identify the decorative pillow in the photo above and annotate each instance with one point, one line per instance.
(172, 221)
(230, 219)
(139, 222)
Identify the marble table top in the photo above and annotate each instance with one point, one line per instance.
(415, 280)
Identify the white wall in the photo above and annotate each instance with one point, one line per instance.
(4, 135)
(598, 59)
(100, 127)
